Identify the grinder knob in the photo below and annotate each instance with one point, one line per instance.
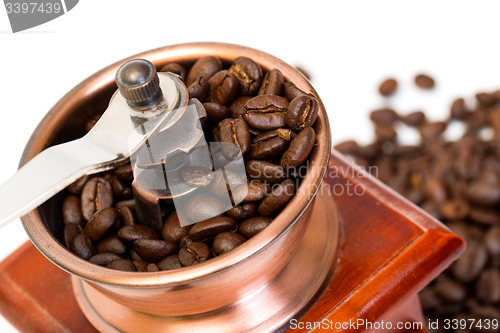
(139, 84)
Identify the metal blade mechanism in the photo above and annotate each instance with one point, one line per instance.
(147, 103)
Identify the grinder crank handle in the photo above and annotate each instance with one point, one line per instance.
(147, 102)
(48, 173)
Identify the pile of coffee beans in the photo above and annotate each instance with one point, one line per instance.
(265, 118)
(457, 182)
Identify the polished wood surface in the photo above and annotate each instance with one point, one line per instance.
(389, 251)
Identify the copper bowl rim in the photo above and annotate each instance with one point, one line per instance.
(47, 244)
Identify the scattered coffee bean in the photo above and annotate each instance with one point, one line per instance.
(388, 87)
(424, 81)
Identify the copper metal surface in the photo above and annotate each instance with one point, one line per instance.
(223, 283)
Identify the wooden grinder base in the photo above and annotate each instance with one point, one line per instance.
(389, 250)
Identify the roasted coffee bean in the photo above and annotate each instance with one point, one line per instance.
(488, 286)
(195, 253)
(102, 259)
(484, 216)
(265, 172)
(251, 192)
(270, 145)
(278, 198)
(197, 176)
(471, 263)
(435, 190)
(272, 84)
(451, 291)
(141, 265)
(227, 241)
(101, 223)
(253, 226)
(122, 265)
(385, 133)
(226, 181)
(234, 137)
(223, 87)
(131, 233)
(199, 89)
(127, 216)
(485, 99)
(429, 299)
(206, 66)
(384, 116)
(483, 193)
(125, 173)
(302, 112)
(208, 229)
(266, 112)
(77, 187)
(458, 109)
(432, 131)
(125, 203)
(299, 149)
(169, 263)
(291, 91)
(414, 119)
(174, 68)
(96, 194)
(455, 209)
(216, 112)
(71, 210)
(134, 255)
(112, 244)
(152, 268)
(424, 81)
(172, 230)
(243, 212)
(154, 250)
(120, 190)
(82, 246)
(349, 147)
(388, 87)
(237, 107)
(492, 241)
(202, 207)
(248, 73)
(71, 230)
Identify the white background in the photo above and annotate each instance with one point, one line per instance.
(347, 46)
